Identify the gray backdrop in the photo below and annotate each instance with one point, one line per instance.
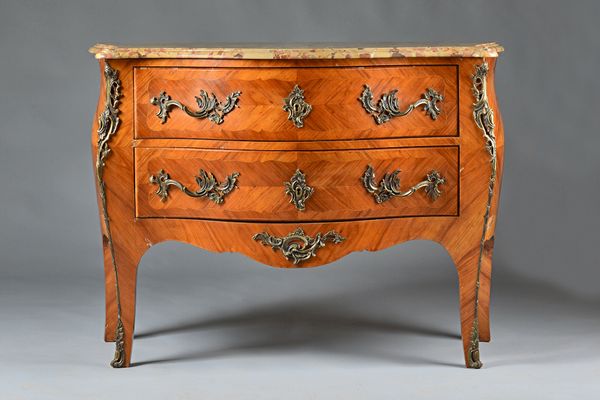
(291, 323)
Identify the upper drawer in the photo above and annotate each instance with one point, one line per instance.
(334, 104)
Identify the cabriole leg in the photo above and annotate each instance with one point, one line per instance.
(466, 266)
(485, 279)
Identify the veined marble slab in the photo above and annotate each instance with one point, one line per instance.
(296, 51)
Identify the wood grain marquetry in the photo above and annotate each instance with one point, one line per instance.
(333, 94)
(335, 176)
(260, 150)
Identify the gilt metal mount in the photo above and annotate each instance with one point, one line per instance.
(108, 123)
(389, 186)
(484, 119)
(297, 246)
(298, 190)
(208, 106)
(207, 185)
(387, 107)
(296, 107)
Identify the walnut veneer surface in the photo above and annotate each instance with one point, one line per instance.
(296, 157)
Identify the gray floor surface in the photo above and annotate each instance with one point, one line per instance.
(224, 327)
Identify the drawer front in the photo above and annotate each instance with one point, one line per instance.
(295, 185)
(330, 103)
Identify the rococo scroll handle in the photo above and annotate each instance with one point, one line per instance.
(296, 107)
(390, 185)
(209, 106)
(298, 190)
(297, 246)
(207, 185)
(387, 107)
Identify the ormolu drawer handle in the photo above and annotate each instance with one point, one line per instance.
(297, 246)
(209, 106)
(207, 185)
(387, 107)
(298, 190)
(297, 108)
(390, 185)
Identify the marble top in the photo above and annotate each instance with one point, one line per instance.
(295, 51)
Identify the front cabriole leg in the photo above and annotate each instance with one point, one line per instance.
(121, 254)
(468, 287)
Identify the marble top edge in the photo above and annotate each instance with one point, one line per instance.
(295, 50)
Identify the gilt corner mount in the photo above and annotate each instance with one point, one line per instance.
(108, 123)
(483, 114)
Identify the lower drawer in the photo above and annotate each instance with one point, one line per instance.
(296, 185)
